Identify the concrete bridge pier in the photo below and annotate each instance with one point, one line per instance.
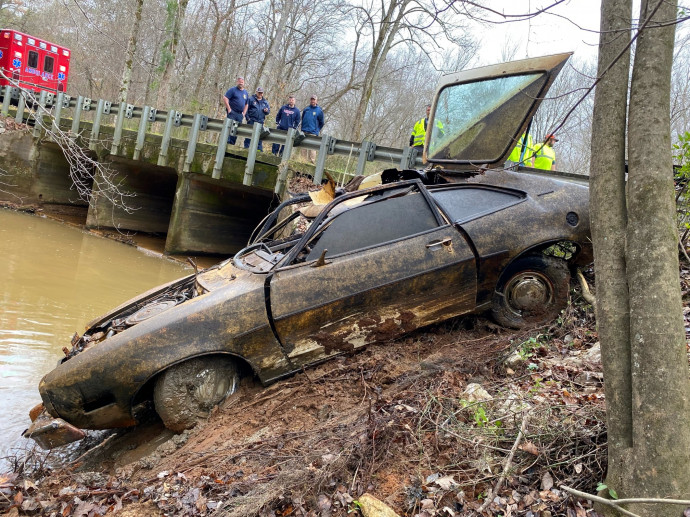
(148, 200)
(214, 216)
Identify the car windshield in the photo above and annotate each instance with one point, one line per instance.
(475, 121)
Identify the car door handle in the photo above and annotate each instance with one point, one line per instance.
(438, 244)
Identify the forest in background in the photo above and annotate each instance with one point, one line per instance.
(374, 65)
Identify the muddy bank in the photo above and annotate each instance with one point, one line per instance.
(424, 423)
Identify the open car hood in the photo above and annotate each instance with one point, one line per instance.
(478, 115)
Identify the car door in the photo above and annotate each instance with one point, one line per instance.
(392, 265)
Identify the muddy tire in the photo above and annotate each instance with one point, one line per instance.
(531, 291)
(188, 391)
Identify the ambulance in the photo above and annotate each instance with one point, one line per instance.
(32, 63)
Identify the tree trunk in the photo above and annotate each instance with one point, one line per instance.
(661, 388)
(388, 30)
(608, 222)
(277, 39)
(131, 50)
(173, 25)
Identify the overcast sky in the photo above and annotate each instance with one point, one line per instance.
(566, 27)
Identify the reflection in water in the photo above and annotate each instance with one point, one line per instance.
(54, 279)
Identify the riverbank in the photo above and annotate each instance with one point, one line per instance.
(424, 423)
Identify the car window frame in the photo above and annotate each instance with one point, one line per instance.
(288, 262)
(522, 197)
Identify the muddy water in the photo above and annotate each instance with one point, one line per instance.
(54, 279)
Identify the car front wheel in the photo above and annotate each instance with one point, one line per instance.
(188, 391)
(532, 290)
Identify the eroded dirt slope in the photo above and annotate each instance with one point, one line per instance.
(425, 423)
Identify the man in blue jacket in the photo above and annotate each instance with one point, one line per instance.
(236, 102)
(257, 111)
(312, 122)
(288, 116)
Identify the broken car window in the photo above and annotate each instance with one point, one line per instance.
(383, 219)
(471, 118)
(462, 204)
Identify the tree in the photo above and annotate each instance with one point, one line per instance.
(175, 14)
(131, 50)
(639, 309)
(413, 22)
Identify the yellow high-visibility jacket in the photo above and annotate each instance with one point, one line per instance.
(545, 157)
(529, 150)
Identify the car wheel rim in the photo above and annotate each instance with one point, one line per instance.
(529, 292)
(211, 387)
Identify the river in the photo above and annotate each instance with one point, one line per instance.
(56, 278)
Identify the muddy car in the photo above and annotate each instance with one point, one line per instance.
(372, 264)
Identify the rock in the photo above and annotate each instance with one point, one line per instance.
(514, 360)
(372, 507)
(589, 379)
(593, 355)
(475, 393)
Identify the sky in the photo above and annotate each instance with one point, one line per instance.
(570, 28)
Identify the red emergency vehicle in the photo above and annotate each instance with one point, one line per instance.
(34, 63)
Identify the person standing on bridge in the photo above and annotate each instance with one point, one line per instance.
(236, 102)
(256, 112)
(288, 116)
(418, 136)
(544, 155)
(312, 122)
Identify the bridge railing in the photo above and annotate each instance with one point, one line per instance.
(99, 109)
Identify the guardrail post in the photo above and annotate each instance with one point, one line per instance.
(96, 128)
(117, 135)
(165, 142)
(57, 115)
(20, 109)
(283, 167)
(141, 135)
(191, 147)
(6, 100)
(38, 126)
(409, 155)
(324, 149)
(251, 157)
(366, 154)
(77, 117)
(222, 146)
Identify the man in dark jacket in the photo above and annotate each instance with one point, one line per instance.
(312, 122)
(257, 111)
(288, 116)
(236, 101)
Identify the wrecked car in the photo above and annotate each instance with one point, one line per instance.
(459, 237)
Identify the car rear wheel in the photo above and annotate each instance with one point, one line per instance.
(188, 391)
(532, 290)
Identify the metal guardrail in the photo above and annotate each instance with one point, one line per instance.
(325, 145)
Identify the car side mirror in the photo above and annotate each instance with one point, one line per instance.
(321, 261)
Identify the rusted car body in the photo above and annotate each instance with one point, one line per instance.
(372, 265)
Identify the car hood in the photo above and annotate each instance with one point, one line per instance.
(478, 115)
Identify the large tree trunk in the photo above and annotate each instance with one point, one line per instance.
(639, 307)
(608, 222)
(131, 50)
(661, 388)
(173, 24)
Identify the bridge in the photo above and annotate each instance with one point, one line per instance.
(177, 174)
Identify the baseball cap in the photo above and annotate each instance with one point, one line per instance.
(313, 97)
(552, 135)
(260, 90)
